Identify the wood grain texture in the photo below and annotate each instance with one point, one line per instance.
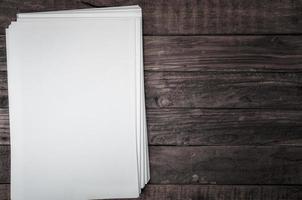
(4, 192)
(172, 17)
(8, 10)
(221, 17)
(4, 164)
(3, 90)
(224, 127)
(221, 192)
(223, 90)
(4, 127)
(223, 53)
(226, 165)
(2, 53)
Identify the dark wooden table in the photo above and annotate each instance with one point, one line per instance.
(223, 93)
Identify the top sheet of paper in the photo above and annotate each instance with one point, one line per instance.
(72, 100)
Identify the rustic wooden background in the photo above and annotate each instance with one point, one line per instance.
(223, 94)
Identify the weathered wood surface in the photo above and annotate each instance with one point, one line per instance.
(163, 17)
(4, 164)
(223, 53)
(4, 192)
(226, 165)
(4, 127)
(2, 53)
(3, 90)
(224, 127)
(3, 95)
(221, 192)
(213, 165)
(207, 192)
(223, 90)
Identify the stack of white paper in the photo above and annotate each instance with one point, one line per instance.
(77, 108)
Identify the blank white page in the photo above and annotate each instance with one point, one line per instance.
(118, 9)
(108, 11)
(72, 109)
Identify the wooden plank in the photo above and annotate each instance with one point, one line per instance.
(172, 17)
(226, 165)
(223, 53)
(3, 96)
(221, 17)
(223, 90)
(3, 90)
(221, 192)
(8, 10)
(4, 164)
(4, 192)
(2, 53)
(224, 127)
(4, 127)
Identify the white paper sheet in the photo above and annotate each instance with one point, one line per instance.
(82, 13)
(135, 10)
(76, 107)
